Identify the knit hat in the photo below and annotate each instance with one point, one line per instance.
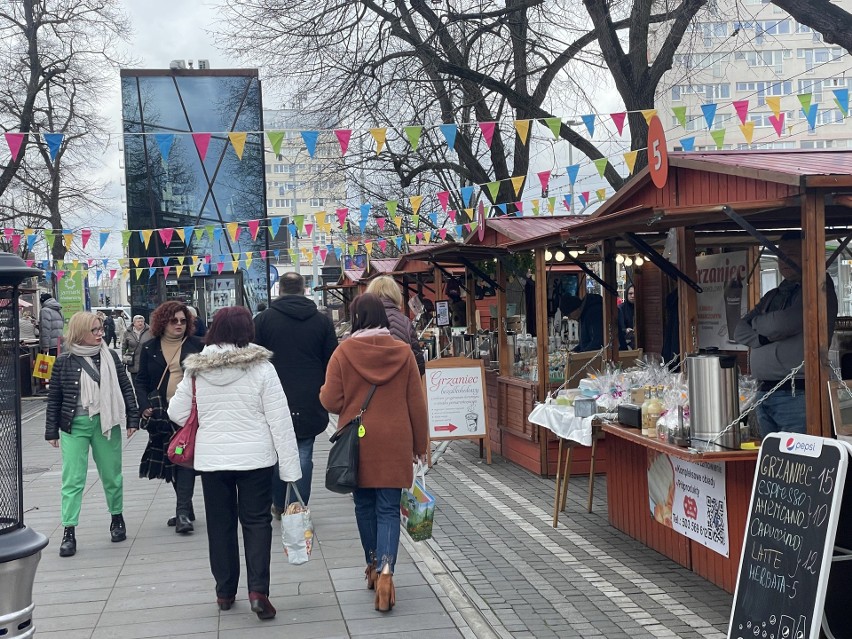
(44, 297)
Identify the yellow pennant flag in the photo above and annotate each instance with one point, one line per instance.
(319, 218)
(469, 213)
(235, 265)
(180, 260)
(249, 258)
(397, 221)
(135, 261)
(146, 235)
(523, 129)
(416, 201)
(369, 247)
(630, 160)
(535, 206)
(648, 114)
(75, 264)
(774, 103)
(238, 141)
(517, 184)
(181, 234)
(68, 238)
(125, 272)
(601, 193)
(179, 269)
(139, 272)
(748, 130)
(379, 135)
(232, 229)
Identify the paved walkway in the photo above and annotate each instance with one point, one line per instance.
(496, 568)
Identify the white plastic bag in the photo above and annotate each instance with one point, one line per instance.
(297, 530)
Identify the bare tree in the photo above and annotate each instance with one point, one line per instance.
(833, 22)
(386, 62)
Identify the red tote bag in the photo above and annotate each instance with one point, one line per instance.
(182, 444)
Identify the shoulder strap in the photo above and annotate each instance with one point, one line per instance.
(91, 370)
(367, 399)
(169, 363)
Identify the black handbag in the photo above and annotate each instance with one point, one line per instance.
(341, 473)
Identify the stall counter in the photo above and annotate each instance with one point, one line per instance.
(629, 511)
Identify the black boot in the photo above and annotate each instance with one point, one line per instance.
(183, 524)
(173, 520)
(68, 547)
(117, 529)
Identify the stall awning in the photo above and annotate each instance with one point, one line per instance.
(508, 231)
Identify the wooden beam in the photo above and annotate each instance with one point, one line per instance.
(541, 348)
(817, 414)
(753, 284)
(470, 299)
(502, 341)
(610, 302)
(687, 297)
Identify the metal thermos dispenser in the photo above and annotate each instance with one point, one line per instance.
(714, 398)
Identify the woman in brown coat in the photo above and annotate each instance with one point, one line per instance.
(395, 431)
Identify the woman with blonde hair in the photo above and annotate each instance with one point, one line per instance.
(90, 398)
(388, 291)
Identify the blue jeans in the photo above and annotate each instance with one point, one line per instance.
(377, 514)
(306, 460)
(783, 412)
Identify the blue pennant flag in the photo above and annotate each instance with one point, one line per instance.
(841, 98)
(567, 201)
(310, 139)
(274, 225)
(582, 200)
(338, 252)
(31, 240)
(277, 253)
(589, 121)
(292, 228)
(449, 131)
(151, 271)
(503, 208)
(459, 230)
(687, 143)
(398, 240)
(166, 261)
(365, 212)
(104, 237)
(466, 193)
(363, 223)
(53, 142)
(709, 111)
(217, 235)
(164, 142)
(811, 115)
(573, 171)
(187, 234)
(433, 217)
(105, 262)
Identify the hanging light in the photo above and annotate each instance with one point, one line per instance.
(639, 261)
(628, 261)
(560, 256)
(573, 254)
(619, 259)
(548, 255)
(581, 251)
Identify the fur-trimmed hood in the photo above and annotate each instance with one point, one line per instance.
(224, 364)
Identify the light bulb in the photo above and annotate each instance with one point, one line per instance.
(559, 256)
(548, 255)
(573, 254)
(619, 259)
(628, 261)
(639, 261)
(581, 251)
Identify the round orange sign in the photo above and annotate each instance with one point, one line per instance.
(658, 156)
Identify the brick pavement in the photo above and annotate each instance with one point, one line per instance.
(496, 567)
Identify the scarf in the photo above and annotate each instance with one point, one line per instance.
(105, 399)
(370, 332)
(171, 348)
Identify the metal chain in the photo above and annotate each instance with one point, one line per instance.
(840, 379)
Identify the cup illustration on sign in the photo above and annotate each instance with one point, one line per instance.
(733, 305)
(472, 419)
(786, 627)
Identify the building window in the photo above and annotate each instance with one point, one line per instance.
(317, 201)
(708, 92)
(814, 57)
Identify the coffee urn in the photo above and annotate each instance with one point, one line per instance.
(714, 398)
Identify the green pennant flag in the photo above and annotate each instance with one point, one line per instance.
(392, 204)
(413, 135)
(551, 204)
(415, 220)
(210, 228)
(718, 137)
(125, 237)
(535, 207)
(555, 125)
(199, 233)
(275, 139)
(48, 237)
(299, 220)
(601, 163)
(805, 101)
(680, 114)
(493, 189)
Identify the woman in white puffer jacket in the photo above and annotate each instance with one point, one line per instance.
(244, 428)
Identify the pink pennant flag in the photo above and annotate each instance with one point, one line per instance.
(341, 216)
(254, 227)
(487, 129)
(16, 243)
(323, 253)
(85, 234)
(316, 249)
(15, 141)
(8, 232)
(166, 235)
(263, 255)
(308, 228)
(89, 262)
(383, 244)
(112, 273)
(442, 233)
(150, 262)
(30, 262)
(520, 207)
(343, 137)
(220, 267)
(544, 178)
(419, 236)
(467, 228)
(586, 195)
(380, 222)
(618, 120)
(59, 275)
(452, 215)
(444, 199)
(742, 109)
(202, 141)
(778, 123)
(166, 270)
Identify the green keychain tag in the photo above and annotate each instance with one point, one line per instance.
(179, 450)
(361, 430)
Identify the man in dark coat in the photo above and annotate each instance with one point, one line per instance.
(301, 340)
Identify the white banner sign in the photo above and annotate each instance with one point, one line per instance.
(689, 497)
(724, 300)
(456, 398)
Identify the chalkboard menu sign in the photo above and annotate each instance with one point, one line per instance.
(789, 538)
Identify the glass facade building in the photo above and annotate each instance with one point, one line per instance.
(172, 187)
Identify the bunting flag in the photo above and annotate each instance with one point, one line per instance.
(601, 193)
(680, 115)
(467, 194)
(85, 234)
(413, 134)
(433, 218)
(274, 226)
(341, 216)
(584, 198)
(275, 139)
(555, 126)
(522, 127)
(774, 103)
(392, 206)
(518, 184)
(718, 137)
(416, 201)
(535, 207)
(53, 142)
(567, 201)
(68, 238)
(233, 230)
(687, 144)
(216, 234)
(589, 121)
(487, 129)
(31, 240)
(238, 141)
(748, 131)
(451, 214)
(15, 142)
(777, 122)
(166, 236)
(365, 210)
(125, 238)
(572, 171)
(380, 222)
(630, 160)
(544, 178)
(519, 207)
(380, 136)
(449, 131)
(164, 143)
(299, 221)
(841, 99)
(309, 229)
(254, 227)
(493, 189)
(805, 102)
(310, 139)
(504, 208)
(618, 120)
(600, 164)
(648, 114)
(811, 116)
(103, 237)
(444, 199)
(709, 111)
(741, 107)
(343, 137)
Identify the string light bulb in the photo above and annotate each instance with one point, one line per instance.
(639, 261)
(560, 256)
(574, 254)
(628, 261)
(548, 255)
(619, 259)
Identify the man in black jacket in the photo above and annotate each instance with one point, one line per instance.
(301, 340)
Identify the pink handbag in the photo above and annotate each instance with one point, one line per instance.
(182, 444)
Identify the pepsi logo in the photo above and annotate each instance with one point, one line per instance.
(790, 443)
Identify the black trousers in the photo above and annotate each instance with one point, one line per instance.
(244, 495)
(184, 485)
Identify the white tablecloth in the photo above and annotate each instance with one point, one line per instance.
(560, 419)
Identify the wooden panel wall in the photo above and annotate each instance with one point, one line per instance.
(651, 291)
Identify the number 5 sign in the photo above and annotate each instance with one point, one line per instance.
(658, 156)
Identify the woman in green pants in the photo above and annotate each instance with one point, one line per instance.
(90, 398)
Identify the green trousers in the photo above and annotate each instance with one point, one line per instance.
(86, 432)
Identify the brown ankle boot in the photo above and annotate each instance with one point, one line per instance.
(385, 593)
(371, 575)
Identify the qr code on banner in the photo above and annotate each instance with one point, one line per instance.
(716, 520)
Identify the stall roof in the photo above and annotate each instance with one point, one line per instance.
(451, 253)
(509, 230)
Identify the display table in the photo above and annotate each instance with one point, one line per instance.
(629, 510)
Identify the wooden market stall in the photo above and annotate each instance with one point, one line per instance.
(710, 202)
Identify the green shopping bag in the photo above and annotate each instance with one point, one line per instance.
(417, 507)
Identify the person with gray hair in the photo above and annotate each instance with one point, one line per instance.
(301, 340)
(138, 333)
(388, 291)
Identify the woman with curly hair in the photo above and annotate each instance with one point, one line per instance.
(160, 372)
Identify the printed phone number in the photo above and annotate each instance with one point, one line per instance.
(691, 524)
